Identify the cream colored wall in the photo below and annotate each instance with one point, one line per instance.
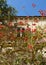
(30, 22)
(40, 23)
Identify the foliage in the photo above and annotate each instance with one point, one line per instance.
(6, 11)
(22, 50)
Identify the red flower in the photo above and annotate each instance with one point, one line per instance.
(1, 34)
(2, 26)
(20, 23)
(33, 5)
(33, 30)
(16, 31)
(10, 24)
(12, 38)
(30, 46)
(28, 29)
(34, 24)
(21, 30)
(25, 38)
(42, 12)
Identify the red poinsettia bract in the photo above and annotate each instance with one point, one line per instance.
(10, 24)
(25, 38)
(33, 5)
(22, 31)
(34, 24)
(42, 12)
(28, 29)
(30, 46)
(20, 23)
(1, 34)
(12, 37)
(2, 26)
(33, 30)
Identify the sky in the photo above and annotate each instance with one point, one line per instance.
(28, 7)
